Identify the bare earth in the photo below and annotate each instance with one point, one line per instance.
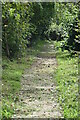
(38, 95)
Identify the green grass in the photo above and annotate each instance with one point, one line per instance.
(11, 77)
(67, 79)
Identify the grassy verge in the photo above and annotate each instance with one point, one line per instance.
(11, 77)
(67, 79)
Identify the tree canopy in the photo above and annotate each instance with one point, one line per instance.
(24, 23)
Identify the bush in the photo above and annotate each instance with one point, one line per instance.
(55, 32)
(74, 34)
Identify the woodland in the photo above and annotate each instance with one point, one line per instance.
(26, 28)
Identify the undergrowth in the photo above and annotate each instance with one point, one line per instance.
(11, 76)
(67, 79)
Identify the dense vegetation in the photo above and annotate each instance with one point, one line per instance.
(67, 79)
(23, 25)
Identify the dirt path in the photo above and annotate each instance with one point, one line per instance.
(38, 95)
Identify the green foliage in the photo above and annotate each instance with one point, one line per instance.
(74, 34)
(42, 14)
(66, 25)
(7, 110)
(28, 24)
(67, 79)
(22, 24)
(12, 72)
(69, 23)
(11, 78)
(16, 26)
(54, 32)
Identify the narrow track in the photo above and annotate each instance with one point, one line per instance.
(38, 95)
